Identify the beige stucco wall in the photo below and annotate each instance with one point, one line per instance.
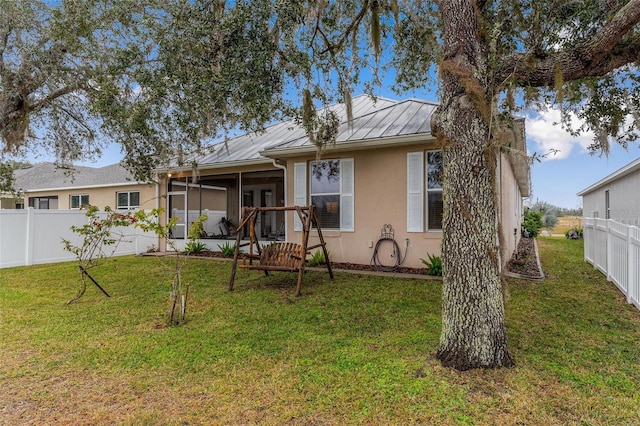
(100, 197)
(381, 198)
(8, 203)
(510, 208)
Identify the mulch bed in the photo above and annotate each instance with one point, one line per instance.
(359, 267)
(524, 261)
(335, 265)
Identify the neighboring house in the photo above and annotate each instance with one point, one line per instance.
(45, 186)
(11, 201)
(384, 169)
(615, 196)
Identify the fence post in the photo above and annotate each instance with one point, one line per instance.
(609, 250)
(630, 281)
(28, 255)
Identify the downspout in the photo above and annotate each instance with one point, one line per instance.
(286, 195)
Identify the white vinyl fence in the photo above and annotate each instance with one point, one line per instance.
(32, 236)
(614, 249)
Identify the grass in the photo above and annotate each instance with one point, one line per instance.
(355, 350)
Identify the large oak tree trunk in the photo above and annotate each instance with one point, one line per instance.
(473, 328)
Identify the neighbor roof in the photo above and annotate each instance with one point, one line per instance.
(48, 176)
(628, 169)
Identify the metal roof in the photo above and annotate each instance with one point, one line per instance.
(396, 120)
(44, 176)
(373, 119)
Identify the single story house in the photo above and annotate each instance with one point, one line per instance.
(10, 201)
(384, 169)
(46, 186)
(615, 196)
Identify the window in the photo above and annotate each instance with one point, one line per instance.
(44, 202)
(77, 201)
(607, 206)
(424, 191)
(128, 200)
(325, 192)
(434, 190)
(330, 190)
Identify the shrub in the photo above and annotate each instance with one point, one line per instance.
(194, 246)
(532, 224)
(549, 212)
(317, 258)
(574, 233)
(228, 249)
(196, 231)
(433, 264)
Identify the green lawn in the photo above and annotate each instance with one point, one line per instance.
(355, 350)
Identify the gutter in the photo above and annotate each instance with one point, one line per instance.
(66, 188)
(223, 165)
(351, 146)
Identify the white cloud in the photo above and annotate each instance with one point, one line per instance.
(545, 134)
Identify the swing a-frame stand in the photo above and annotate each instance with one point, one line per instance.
(277, 256)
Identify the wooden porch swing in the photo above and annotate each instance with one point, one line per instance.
(277, 256)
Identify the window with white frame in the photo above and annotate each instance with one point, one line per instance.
(329, 188)
(78, 200)
(434, 190)
(424, 191)
(127, 200)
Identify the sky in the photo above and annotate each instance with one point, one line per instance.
(556, 179)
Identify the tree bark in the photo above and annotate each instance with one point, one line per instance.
(473, 327)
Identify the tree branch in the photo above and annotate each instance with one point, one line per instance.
(542, 73)
(352, 26)
(54, 95)
(605, 52)
(621, 23)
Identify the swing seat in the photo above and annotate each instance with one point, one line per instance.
(280, 257)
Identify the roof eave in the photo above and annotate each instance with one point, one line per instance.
(624, 171)
(220, 165)
(383, 142)
(66, 188)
